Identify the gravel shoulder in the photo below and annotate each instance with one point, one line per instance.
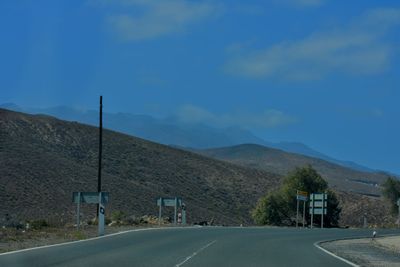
(378, 252)
(16, 239)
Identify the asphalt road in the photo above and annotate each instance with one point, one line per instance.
(197, 246)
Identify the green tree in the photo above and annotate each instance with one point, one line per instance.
(391, 191)
(279, 208)
(270, 210)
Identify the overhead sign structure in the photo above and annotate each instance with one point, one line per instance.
(170, 202)
(301, 196)
(100, 198)
(318, 206)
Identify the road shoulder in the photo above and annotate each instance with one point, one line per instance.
(383, 251)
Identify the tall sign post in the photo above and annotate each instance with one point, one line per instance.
(318, 206)
(301, 196)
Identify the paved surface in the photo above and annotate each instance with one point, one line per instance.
(378, 252)
(202, 246)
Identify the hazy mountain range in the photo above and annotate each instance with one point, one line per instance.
(171, 131)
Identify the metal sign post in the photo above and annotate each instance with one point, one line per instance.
(322, 213)
(304, 213)
(297, 214)
(301, 196)
(312, 210)
(78, 212)
(176, 204)
(160, 210)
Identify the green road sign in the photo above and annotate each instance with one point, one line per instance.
(169, 202)
(90, 197)
(318, 206)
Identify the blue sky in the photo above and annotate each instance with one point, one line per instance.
(322, 72)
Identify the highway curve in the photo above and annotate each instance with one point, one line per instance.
(193, 246)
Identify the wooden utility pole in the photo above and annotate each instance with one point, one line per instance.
(100, 149)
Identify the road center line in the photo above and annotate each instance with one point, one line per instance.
(195, 253)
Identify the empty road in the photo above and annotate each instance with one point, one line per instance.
(194, 246)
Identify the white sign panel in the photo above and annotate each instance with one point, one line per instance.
(318, 211)
(318, 197)
(318, 204)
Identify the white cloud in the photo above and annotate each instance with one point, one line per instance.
(148, 19)
(268, 119)
(358, 48)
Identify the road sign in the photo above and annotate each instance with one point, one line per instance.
(169, 202)
(100, 198)
(90, 197)
(302, 195)
(318, 206)
(319, 197)
(318, 211)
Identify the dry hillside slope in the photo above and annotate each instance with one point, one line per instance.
(277, 161)
(43, 160)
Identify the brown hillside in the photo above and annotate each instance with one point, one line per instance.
(277, 161)
(43, 160)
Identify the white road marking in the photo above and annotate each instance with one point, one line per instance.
(195, 253)
(336, 256)
(93, 238)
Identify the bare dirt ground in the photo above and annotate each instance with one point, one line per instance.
(378, 252)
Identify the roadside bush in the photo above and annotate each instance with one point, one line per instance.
(391, 191)
(118, 215)
(38, 224)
